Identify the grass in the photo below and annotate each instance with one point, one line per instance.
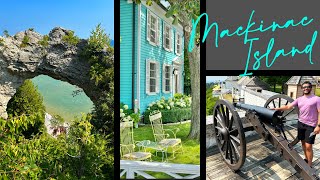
(191, 148)
(317, 93)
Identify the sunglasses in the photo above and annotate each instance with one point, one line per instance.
(305, 87)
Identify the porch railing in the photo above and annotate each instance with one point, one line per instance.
(132, 168)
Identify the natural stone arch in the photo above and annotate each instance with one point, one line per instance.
(58, 60)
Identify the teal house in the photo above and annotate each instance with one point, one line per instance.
(151, 54)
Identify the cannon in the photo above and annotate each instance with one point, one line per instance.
(271, 125)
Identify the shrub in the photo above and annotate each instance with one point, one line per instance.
(31, 29)
(25, 41)
(44, 42)
(29, 102)
(171, 116)
(178, 101)
(127, 114)
(70, 38)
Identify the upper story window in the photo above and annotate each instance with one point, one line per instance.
(167, 37)
(153, 28)
(178, 44)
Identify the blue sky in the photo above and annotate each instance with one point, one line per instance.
(43, 15)
(215, 78)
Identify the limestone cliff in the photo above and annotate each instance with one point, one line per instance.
(58, 60)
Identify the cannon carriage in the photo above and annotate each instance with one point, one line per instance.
(271, 125)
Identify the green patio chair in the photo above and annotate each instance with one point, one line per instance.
(127, 144)
(160, 135)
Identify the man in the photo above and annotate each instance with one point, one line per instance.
(309, 119)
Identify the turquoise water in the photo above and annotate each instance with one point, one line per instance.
(58, 99)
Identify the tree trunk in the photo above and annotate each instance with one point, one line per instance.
(194, 64)
(274, 87)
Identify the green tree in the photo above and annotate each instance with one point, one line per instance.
(273, 81)
(27, 100)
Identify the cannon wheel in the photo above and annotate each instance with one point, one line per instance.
(287, 116)
(229, 134)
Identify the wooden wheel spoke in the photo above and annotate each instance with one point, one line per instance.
(219, 121)
(230, 152)
(219, 129)
(235, 139)
(227, 149)
(287, 103)
(223, 123)
(288, 113)
(227, 116)
(235, 147)
(223, 112)
(223, 145)
(279, 102)
(274, 104)
(231, 123)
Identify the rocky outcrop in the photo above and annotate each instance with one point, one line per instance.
(58, 60)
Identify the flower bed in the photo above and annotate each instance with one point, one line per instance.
(174, 109)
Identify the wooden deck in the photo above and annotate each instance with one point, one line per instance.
(262, 162)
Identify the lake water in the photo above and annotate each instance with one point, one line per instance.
(58, 99)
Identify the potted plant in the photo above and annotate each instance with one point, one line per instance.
(136, 118)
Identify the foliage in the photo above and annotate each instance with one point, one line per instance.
(6, 33)
(99, 53)
(78, 155)
(70, 38)
(177, 102)
(45, 41)
(274, 80)
(127, 114)
(210, 101)
(171, 116)
(25, 41)
(31, 29)
(27, 100)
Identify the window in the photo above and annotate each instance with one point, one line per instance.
(178, 44)
(152, 77)
(166, 80)
(167, 35)
(153, 29)
(291, 94)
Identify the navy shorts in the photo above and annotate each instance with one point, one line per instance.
(304, 132)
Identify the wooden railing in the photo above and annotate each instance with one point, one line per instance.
(132, 168)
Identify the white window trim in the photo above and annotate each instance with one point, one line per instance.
(157, 28)
(164, 78)
(148, 77)
(176, 44)
(165, 25)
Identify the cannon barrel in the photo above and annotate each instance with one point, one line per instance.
(265, 114)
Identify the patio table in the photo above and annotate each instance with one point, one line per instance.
(155, 146)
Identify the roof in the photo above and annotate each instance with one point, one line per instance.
(298, 80)
(252, 82)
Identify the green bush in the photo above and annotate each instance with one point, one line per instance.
(70, 38)
(44, 42)
(171, 116)
(25, 41)
(28, 101)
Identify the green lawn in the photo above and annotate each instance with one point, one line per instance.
(191, 148)
(317, 91)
